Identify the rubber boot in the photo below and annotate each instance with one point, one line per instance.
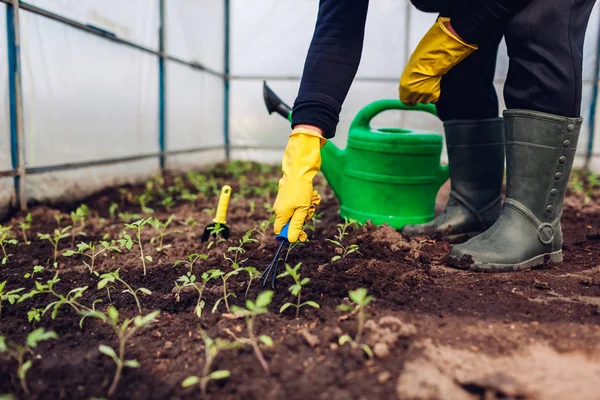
(476, 159)
(540, 149)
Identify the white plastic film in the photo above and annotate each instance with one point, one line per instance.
(195, 110)
(195, 31)
(85, 98)
(134, 20)
(5, 149)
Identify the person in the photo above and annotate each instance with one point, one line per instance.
(453, 66)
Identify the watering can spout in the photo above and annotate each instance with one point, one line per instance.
(274, 103)
(332, 166)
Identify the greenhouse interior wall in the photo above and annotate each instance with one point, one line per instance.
(105, 93)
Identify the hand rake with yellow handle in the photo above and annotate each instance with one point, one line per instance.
(219, 227)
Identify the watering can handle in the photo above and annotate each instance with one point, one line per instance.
(365, 115)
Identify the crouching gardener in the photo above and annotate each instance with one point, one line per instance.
(453, 66)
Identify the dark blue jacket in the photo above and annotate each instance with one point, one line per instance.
(336, 47)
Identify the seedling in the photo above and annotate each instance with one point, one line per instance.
(37, 269)
(189, 196)
(167, 202)
(161, 227)
(35, 314)
(143, 199)
(212, 348)
(25, 226)
(295, 289)
(343, 250)
(124, 332)
(128, 241)
(113, 277)
(189, 221)
(239, 249)
(360, 298)
(112, 209)
(190, 280)
(250, 312)
(89, 250)
(55, 239)
(127, 216)
(69, 299)
(191, 260)
(217, 273)
(11, 295)
(6, 239)
(19, 351)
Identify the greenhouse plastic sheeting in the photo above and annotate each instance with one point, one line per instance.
(85, 98)
(195, 31)
(194, 114)
(133, 20)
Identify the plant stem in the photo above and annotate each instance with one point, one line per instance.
(225, 294)
(3, 248)
(117, 376)
(24, 236)
(141, 250)
(298, 306)
(361, 323)
(205, 372)
(254, 343)
(55, 249)
(130, 289)
(24, 378)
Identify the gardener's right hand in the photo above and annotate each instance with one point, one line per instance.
(296, 198)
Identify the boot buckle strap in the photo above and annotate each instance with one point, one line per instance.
(545, 230)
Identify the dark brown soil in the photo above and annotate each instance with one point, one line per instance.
(421, 308)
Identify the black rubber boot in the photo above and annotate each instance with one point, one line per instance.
(540, 149)
(476, 158)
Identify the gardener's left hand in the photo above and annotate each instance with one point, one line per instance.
(437, 53)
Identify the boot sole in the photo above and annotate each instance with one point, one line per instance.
(546, 258)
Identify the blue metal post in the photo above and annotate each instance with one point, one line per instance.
(161, 87)
(226, 81)
(17, 136)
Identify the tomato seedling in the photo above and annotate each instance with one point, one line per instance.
(295, 289)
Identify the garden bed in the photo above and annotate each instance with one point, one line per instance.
(432, 332)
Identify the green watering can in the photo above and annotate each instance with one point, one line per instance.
(386, 175)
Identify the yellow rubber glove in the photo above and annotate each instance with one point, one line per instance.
(296, 201)
(437, 53)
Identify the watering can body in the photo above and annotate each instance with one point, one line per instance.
(386, 175)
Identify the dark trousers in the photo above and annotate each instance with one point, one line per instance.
(545, 47)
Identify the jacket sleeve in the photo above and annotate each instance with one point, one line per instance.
(476, 20)
(331, 63)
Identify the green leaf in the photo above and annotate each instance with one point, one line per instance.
(39, 335)
(344, 307)
(148, 258)
(335, 258)
(23, 370)
(190, 381)
(311, 304)
(109, 351)
(129, 244)
(304, 281)
(113, 314)
(264, 299)
(367, 350)
(295, 289)
(266, 340)
(37, 269)
(285, 307)
(104, 282)
(3, 346)
(146, 319)
(145, 291)
(220, 374)
(358, 296)
(131, 364)
(344, 339)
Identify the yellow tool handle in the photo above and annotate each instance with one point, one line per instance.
(222, 206)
